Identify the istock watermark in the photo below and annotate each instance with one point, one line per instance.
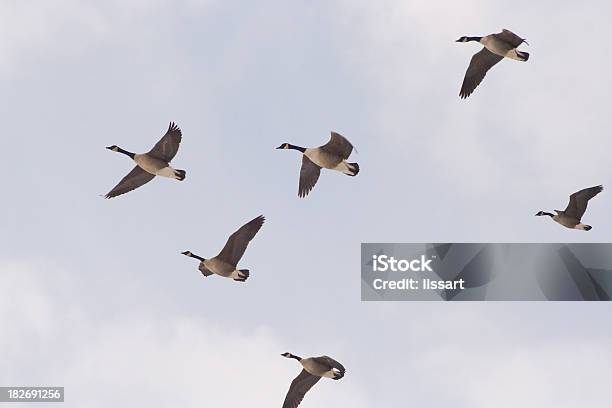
(384, 263)
(486, 271)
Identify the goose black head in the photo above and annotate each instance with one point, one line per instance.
(466, 39)
(114, 148)
(541, 213)
(289, 355)
(192, 255)
(286, 146)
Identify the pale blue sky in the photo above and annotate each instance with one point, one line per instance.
(96, 296)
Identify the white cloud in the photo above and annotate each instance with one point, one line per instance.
(128, 358)
(37, 32)
(135, 360)
(562, 375)
(38, 28)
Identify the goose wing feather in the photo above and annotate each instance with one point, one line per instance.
(168, 145)
(299, 387)
(509, 37)
(579, 200)
(338, 145)
(480, 63)
(134, 179)
(237, 242)
(332, 363)
(309, 175)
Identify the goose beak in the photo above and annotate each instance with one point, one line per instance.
(109, 147)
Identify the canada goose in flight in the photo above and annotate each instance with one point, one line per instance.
(572, 215)
(496, 47)
(331, 155)
(225, 264)
(314, 369)
(151, 164)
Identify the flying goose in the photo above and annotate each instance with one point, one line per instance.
(314, 369)
(151, 164)
(331, 155)
(572, 215)
(496, 47)
(225, 264)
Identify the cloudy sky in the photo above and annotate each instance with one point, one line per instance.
(96, 296)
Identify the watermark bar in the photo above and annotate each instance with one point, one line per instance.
(31, 394)
(486, 271)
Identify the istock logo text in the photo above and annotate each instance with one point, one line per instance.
(383, 263)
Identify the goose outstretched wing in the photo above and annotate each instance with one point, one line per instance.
(338, 145)
(237, 242)
(509, 37)
(135, 178)
(309, 175)
(480, 63)
(579, 200)
(299, 387)
(168, 145)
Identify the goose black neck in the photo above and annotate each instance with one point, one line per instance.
(130, 154)
(199, 258)
(477, 39)
(547, 213)
(294, 147)
(296, 357)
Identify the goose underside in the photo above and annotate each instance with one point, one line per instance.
(226, 270)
